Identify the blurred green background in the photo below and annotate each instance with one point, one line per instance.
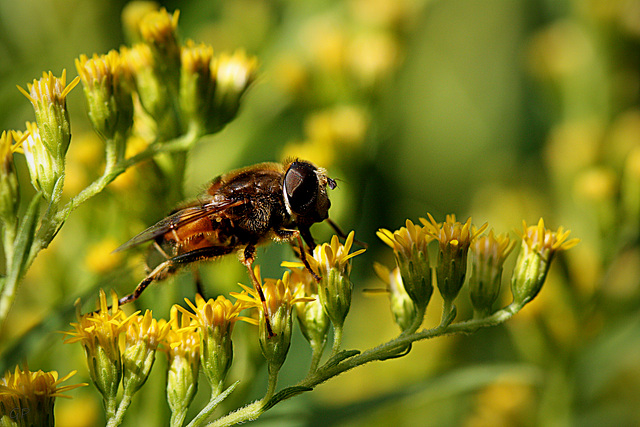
(502, 110)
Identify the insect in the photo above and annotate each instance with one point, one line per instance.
(239, 211)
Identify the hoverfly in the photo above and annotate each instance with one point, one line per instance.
(241, 210)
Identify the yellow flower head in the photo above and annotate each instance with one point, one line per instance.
(215, 320)
(107, 87)
(182, 346)
(538, 248)
(28, 397)
(99, 333)
(159, 27)
(334, 255)
(454, 240)
(409, 244)
(488, 256)
(49, 90)
(101, 328)
(146, 329)
(277, 311)
(9, 192)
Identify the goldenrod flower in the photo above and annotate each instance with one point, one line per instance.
(409, 244)
(215, 320)
(403, 307)
(27, 398)
(49, 99)
(233, 76)
(538, 248)
(454, 239)
(488, 256)
(279, 303)
(313, 320)
(182, 346)
(197, 84)
(159, 30)
(99, 333)
(144, 334)
(107, 89)
(9, 192)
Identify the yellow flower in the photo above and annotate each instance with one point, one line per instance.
(538, 248)
(402, 305)
(454, 239)
(107, 87)
(182, 346)
(27, 398)
(409, 244)
(9, 192)
(488, 256)
(144, 334)
(99, 333)
(215, 320)
(49, 99)
(274, 336)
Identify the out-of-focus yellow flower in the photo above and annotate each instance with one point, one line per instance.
(488, 256)
(159, 30)
(107, 86)
(215, 320)
(538, 248)
(27, 398)
(100, 257)
(9, 191)
(132, 15)
(373, 56)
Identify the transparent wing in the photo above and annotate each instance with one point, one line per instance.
(178, 219)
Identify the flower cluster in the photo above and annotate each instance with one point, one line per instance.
(409, 285)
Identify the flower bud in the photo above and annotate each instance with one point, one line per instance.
(454, 239)
(49, 99)
(538, 248)
(107, 90)
(142, 339)
(409, 246)
(99, 333)
(9, 191)
(488, 256)
(402, 306)
(182, 346)
(215, 320)
(197, 85)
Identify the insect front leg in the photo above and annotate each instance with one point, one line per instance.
(287, 234)
(169, 266)
(249, 256)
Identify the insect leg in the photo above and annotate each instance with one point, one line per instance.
(306, 235)
(171, 265)
(248, 258)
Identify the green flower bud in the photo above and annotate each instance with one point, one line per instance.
(215, 320)
(182, 346)
(9, 191)
(409, 246)
(403, 307)
(107, 89)
(454, 239)
(538, 248)
(488, 256)
(49, 99)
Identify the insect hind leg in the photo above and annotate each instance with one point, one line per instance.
(168, 267)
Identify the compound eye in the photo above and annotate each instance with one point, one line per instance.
(301, 187)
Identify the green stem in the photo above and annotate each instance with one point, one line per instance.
(118, 417)
(316, 354)
(384, 351)
(337, 339)
(214, 401)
